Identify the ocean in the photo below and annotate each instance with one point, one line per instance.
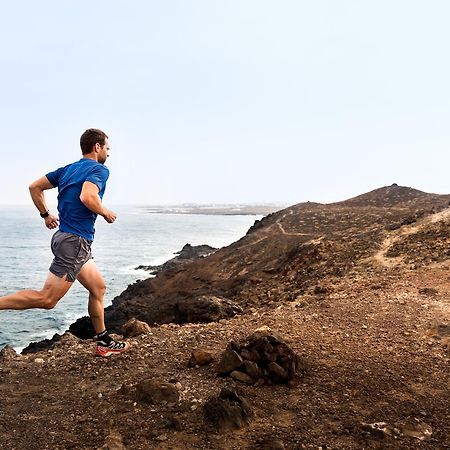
(137, 237)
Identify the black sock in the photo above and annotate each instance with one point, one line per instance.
(104, 337)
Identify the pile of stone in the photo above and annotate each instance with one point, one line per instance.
(264, 358)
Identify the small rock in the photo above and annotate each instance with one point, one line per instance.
(228, 411)
(175, 423)
(272, 444)
(39, 360)
(230, 361)
(266, 332)
(250, 355)
(320, 290)
(378, 430)
(135, 328)
(428, 291)
(7, 353)
(113, 442)
(156, 391)
(252, 369)
(241, 376)
(415, 428)
(277, 372)
(125, 389)
(200, 357)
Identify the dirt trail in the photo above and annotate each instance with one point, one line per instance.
(380, 256)
(267, 232)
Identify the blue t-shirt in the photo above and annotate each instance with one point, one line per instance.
(74, 217)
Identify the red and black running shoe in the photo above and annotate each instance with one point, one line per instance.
(114, 347)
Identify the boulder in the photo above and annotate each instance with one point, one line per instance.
(175, 308)
(187, 253)
(228, 411)
(135, 328)
(190, 252)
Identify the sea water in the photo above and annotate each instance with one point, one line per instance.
(137, 237)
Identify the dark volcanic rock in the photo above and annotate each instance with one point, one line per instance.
(205, 308)
(242, 377)
(230, 361)
(278, 373)
(186, 254)
(228, 411)
(174, 309)
(257, 225)
(253, 369)
(197, 251)
(45, 344)
(428, 291)
(265, 357)
(82, 328)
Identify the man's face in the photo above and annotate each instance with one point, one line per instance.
(103, 152)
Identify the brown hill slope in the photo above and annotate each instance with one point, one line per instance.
(286, 254)
(364, 298)
(390, 196)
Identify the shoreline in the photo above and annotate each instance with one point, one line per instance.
(214, 210)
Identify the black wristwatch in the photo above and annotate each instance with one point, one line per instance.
(44, 215)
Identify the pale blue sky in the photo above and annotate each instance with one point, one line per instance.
(228, 101)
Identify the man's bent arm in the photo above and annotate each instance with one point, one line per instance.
(37, 189)
(90, 198)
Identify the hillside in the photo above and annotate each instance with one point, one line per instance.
(359, 289)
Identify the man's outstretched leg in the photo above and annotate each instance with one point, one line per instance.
(54, 289)
(91, 278)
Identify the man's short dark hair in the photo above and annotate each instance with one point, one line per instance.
(91, 137)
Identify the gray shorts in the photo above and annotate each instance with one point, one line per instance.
(71, 253)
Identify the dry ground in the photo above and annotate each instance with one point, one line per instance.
(372, 357)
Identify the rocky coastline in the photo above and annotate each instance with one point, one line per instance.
(186, 254)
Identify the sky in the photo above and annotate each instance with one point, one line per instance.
(237, 101)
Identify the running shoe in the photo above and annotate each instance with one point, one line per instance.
(114, 347)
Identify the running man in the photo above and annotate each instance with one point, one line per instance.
(81, 186)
